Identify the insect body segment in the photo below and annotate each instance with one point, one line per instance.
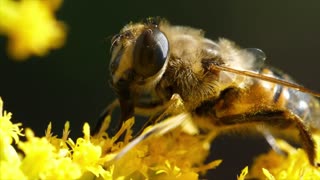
(218, 82)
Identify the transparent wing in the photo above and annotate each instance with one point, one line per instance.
(226, 52)
(157, 130)
(236, 63)
(259, 58)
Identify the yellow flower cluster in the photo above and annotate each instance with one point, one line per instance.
(31, 27)
(164, 157)
(168, 156)
(293, 166)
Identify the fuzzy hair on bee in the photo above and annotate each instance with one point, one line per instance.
(158, 69)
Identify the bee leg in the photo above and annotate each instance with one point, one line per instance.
(156, 130)
(173, 107)
(178, 116)
(280, 119)
(101, 121)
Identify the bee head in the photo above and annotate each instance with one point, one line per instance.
(139, 54)
(139, 59)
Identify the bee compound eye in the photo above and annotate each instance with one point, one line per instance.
(150, 52)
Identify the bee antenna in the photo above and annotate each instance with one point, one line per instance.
(264, 78)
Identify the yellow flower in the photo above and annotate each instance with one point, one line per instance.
(166, 156)
(8, 155)
(31, 27)
(8, 133)
(293, 166)
(42, 160)
(243, 174)
(86, 154)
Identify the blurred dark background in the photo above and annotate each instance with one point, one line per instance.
(71, 83)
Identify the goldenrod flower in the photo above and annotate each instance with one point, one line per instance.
(293, 166)
(243, 174)
(168, 156)
(9, 158)
(31, 27)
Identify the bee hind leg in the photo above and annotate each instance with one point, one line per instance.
(280, 119)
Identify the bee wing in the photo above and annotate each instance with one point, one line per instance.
(256, 58)
(156, 130)
(259, 58)
(263, 77)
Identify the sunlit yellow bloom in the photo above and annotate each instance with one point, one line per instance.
(88, 155)
(9, 158)
(243, 174)
(168, 156)
(268, 175)
(8, 133)
(293, 166)
(10, 170)
(31, 27)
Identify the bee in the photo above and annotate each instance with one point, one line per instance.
(154, 63)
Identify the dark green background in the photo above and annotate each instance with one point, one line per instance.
(71, 83)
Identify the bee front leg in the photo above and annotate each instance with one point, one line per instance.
(101, 125)
(178, 116)
(278, 119)
(173, 107)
